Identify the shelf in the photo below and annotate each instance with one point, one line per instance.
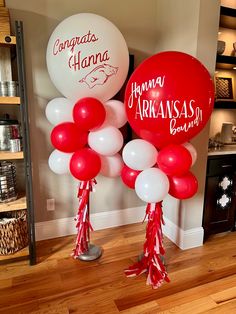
(7, 40)
(18, 204)
(7, 155)
(9, 100)
(22, 254)
(228, 17)
(225, 104)
(225, 62)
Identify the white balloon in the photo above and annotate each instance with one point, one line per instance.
(106, 141)
(111, 165)
(115, 113)
(59, 110)
(87, 56)
(139, 154)
(152, 185)
(59, 162)
(192, 151)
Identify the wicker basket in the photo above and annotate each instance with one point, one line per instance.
(13, 232)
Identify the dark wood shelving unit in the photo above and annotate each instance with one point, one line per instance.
(25, 199)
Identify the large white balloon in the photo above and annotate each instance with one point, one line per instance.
(59, 162)
(139, 154)
(59, 110)
(115, 113)
(111, 165)
(152, 185)
(87, 56)
(106, 141)
(192, 151)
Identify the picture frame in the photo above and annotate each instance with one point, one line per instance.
(224, 88)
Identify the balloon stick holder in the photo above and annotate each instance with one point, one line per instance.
(93, 253)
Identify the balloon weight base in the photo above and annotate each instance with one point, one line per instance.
(94, 252)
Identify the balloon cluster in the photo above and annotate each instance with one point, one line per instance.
(154, 174)
(169, 99)
(86, 137)
(87, 60)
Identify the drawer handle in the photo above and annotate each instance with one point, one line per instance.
(226, 166)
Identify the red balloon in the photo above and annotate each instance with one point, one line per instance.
(169, 98)
(174, 159)
(89, 113)
(183, 187)
(129, 176)
(67, 137)
(85, 164)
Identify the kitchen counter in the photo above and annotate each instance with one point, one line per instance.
(224, 150)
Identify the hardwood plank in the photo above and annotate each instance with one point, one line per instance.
(227, 308)
(190, 295)
(201, 305)
(226, 295)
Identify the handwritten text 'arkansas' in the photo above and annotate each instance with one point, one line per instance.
(165, 109)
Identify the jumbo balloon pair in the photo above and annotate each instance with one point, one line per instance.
(168, 100)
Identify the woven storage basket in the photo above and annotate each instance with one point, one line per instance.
(13, 232)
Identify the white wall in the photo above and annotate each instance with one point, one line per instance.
(187, 26)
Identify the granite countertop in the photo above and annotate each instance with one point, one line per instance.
(224, 150)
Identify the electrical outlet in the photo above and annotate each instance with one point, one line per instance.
(50, 204)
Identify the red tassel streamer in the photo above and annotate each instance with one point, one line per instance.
(83, 224)
(153, 248)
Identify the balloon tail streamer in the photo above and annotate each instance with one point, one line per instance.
(153, 248)
(82, 218)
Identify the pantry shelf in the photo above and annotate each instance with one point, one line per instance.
(18, 204)
(7, 40)
(22, 254)
(7, 155)
(9, 100)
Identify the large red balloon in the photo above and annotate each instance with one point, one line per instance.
(129, 176)
(174, 159)
(169, 98)
(183, 187)
(68, 137)
(89, 113)
(85, 164)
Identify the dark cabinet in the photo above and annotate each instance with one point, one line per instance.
(220, 195)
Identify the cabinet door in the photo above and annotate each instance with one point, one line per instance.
(220, 204)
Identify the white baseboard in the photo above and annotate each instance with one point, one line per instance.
(66, 226)
(185, 239)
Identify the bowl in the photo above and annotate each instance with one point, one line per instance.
(220, 47)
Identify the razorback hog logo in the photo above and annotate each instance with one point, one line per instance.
(99, 75)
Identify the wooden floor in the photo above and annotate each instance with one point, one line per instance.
(203, 280)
